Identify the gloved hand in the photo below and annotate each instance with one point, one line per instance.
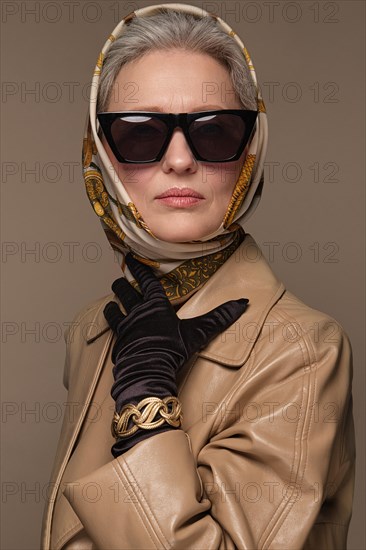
(153, 343)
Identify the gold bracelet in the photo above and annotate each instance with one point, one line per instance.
(142, 415)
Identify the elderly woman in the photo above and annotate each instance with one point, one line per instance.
(208, 406)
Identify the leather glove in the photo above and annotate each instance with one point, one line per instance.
(152, 343)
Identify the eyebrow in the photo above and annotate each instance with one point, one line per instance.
(204, 107)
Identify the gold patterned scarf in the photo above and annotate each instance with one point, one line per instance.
(181, 267)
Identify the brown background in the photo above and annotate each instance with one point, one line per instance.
(309, 59)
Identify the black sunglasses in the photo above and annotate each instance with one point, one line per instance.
(143, 137)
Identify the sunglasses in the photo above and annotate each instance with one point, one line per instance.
(143, 137)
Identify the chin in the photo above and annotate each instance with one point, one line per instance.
(180, 236)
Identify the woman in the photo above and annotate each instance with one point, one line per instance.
(230, 405)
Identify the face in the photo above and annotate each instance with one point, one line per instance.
(177, 82)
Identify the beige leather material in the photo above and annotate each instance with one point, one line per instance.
(80, 541)
(95, 428)
(66, 523)
(265, 457)
(87, 362)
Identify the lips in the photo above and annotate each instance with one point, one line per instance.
(181, 198)
(177, 192)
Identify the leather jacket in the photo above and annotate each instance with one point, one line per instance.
(265, 456)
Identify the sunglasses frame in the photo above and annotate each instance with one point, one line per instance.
(177, 120)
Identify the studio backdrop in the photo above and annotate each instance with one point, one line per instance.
(55, 258)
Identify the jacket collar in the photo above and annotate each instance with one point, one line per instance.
(245, 274)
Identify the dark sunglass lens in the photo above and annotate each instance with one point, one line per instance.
(217, 137)
(138, 138)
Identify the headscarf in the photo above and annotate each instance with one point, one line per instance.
(182, 267)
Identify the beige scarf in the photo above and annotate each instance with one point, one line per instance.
(181, 267)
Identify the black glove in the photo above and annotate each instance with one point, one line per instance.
(153, 343)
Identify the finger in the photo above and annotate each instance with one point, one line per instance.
(128, 296)
(199, 331)
(113, 315)
(144, 275)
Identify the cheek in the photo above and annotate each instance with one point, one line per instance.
(135, 179)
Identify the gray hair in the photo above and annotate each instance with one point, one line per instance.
(168, 29)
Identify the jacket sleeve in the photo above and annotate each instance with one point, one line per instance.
(275, 459)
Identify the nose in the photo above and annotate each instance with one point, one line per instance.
(178, 156)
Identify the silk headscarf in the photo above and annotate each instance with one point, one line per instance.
(185, 266)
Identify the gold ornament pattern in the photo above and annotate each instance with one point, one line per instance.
(89, 149)
(99, 65)
(138, 218)
(193, 273)
(95, 189)
(248, 59)
(151, 263)
(261, 105)
(241, 188)
(131, 213)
